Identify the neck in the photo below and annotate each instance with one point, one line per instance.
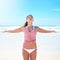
(29, 24)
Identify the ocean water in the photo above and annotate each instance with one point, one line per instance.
(48, 44)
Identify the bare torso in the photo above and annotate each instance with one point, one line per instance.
(30, 45)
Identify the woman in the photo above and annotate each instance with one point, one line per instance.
(29, 46)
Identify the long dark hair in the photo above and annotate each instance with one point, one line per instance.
(26, 23)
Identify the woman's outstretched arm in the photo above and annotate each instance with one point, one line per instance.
(43, 30)
(15, 30)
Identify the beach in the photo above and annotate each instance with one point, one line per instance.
(48, 44)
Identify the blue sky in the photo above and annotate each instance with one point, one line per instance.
(45, 12)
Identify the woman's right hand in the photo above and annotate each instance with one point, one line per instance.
(4, 31)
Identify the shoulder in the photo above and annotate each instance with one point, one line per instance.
(36, 27)
(23, 27)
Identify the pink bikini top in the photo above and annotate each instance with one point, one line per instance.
(29, 36)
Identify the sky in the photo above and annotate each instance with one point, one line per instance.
(45, 12)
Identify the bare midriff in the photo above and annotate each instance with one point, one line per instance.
(30, 45)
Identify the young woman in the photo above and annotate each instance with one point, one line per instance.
(29, 47)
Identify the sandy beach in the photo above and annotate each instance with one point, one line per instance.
(48, 45)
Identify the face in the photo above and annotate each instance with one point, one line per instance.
(29, 19)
